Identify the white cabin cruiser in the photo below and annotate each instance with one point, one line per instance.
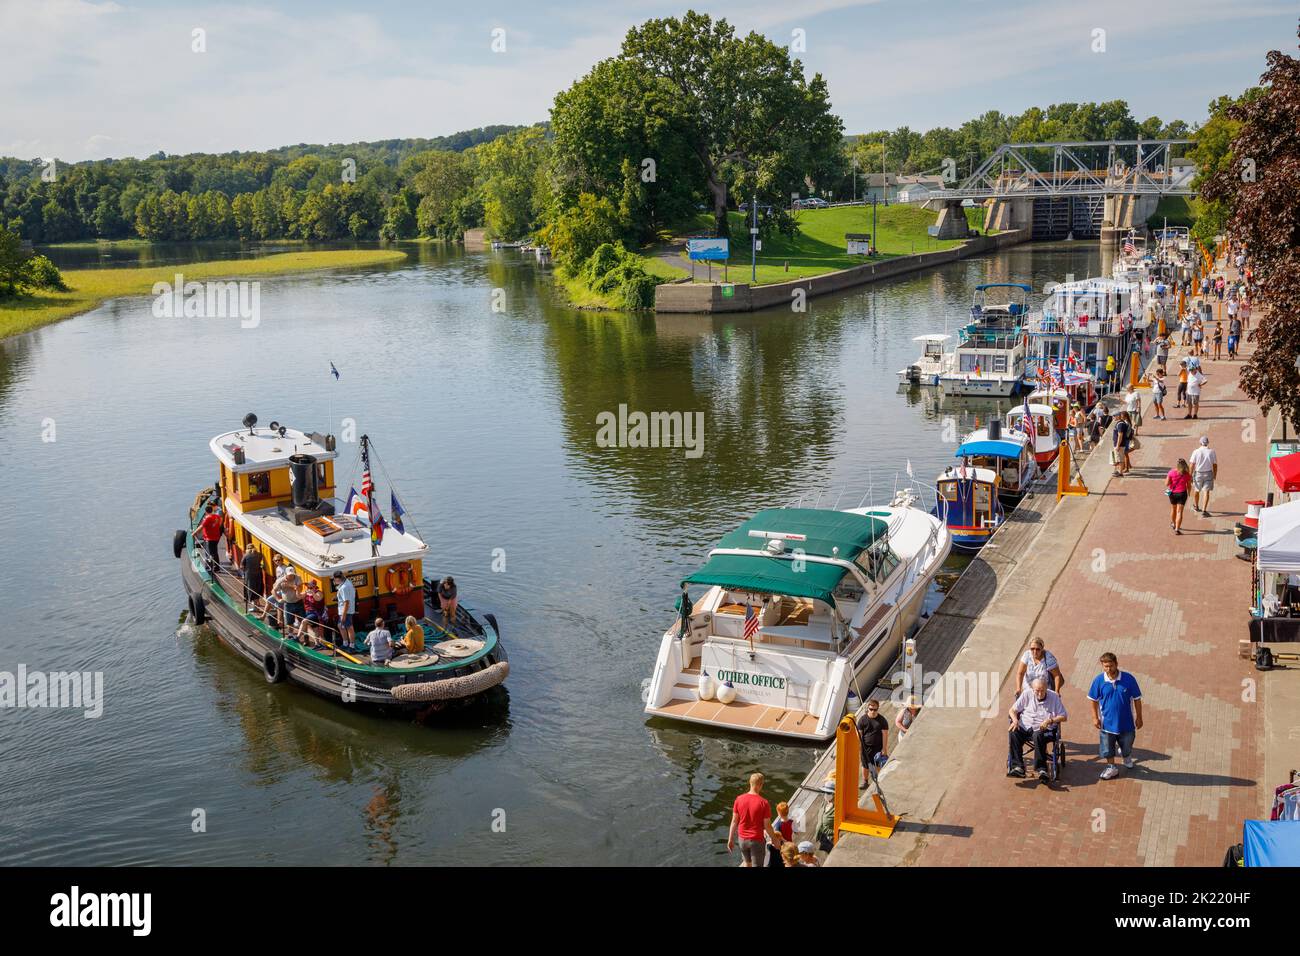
(801, 605)
(990, 354)
(934, 361)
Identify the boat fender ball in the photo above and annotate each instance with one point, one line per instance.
(727, 692)
(706, 686)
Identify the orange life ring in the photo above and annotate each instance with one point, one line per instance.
(404, 575)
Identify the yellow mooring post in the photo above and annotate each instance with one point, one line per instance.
(848, 815)
(1135, 377)
(1064, 486)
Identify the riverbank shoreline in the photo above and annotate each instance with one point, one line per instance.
(90, 288)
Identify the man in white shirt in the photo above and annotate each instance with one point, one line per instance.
(1205, 468)
(1133, 405)
(1036, 715)
(1194, 382)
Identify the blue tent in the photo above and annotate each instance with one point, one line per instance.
(1272, 843)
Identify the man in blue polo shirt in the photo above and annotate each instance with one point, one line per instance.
(1116, 713)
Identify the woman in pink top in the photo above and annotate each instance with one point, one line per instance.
(1177, 482)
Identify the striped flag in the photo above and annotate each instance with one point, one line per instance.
(751, 622)
(356, 506)
(367, 486)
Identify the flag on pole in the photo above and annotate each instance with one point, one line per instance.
(397, 513)
(909, 469)
(377, 527)
(751, 623)
(334, 371)
(356, 506)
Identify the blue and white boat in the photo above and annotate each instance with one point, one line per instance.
(1008, 454)
(968, 503)
(990, 354)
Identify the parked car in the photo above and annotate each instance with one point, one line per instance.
(811, 202)
(764, 208)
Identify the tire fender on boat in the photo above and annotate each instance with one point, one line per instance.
(198, 610)
(178, 544)
(454, 687)
(273, 667)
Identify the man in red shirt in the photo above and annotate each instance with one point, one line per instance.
(751, 815)
(210, 531)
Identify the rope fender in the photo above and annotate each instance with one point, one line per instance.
(454, 687)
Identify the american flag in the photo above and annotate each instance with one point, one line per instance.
(1129, 248)
(367, 486)
(751, 622)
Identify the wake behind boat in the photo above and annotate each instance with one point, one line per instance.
(800, 606)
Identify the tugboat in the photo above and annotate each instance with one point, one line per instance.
(801, 605)
(1008, 454)
(274, 495)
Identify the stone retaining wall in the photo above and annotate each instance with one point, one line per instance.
(699, 297)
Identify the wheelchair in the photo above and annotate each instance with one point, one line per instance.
(1055, 746)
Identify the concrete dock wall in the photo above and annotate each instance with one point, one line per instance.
(703, 298)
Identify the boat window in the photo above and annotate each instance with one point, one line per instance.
(320, 475)
(982, 496)
(259, 484)
(999, 363)
(878, 561)
(948, 490)
(1042, 427)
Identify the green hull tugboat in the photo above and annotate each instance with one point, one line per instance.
(273, 507)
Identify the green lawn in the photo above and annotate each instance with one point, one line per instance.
(819, 245)
(1178, 210)
(89, 287)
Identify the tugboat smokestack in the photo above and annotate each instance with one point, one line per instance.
(995, 429)
(303, 470)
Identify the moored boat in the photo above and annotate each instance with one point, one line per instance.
(1009, 454)
(800, 606)
(969, 505)
(990, 355)
(933, 362)
(1039, 423)
(273, 496)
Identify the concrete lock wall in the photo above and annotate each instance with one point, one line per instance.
(688, 297)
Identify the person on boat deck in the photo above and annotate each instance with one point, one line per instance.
(211, 531)
(313, 605)
(1036, 714)
(347, 594)
(412, 642)
(447, 599)
(684, 608)
(1038, 662)
(289, 591)
(253, 583)
(380, 642)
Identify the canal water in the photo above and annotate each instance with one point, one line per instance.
(485, 421)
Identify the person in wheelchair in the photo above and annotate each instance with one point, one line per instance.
(1036, 715)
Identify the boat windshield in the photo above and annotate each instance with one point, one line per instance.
(878, 561)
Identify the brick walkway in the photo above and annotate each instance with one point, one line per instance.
(1172, 608)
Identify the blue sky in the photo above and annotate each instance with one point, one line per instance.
(87, 80)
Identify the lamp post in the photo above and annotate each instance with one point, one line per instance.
(753, 241)
(855, 180)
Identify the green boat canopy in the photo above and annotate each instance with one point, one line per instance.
(823, 531)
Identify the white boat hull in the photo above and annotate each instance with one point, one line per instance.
(979, 385)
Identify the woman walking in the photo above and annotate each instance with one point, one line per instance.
(1177, 482)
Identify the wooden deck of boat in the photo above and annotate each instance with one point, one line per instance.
(738, 715)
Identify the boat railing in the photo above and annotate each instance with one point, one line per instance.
(844, 498)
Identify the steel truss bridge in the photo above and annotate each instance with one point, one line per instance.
(1127, 167)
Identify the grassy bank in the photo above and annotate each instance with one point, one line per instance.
(819, 246)
(90, 287)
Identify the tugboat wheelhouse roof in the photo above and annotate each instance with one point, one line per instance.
(264, 448)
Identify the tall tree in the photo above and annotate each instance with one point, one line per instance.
(1260, 190)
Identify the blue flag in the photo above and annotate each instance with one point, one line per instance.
(397, 514)
(334, 371)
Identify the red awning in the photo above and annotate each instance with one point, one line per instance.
(1286, 472)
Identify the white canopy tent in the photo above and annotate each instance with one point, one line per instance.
(1279, 539)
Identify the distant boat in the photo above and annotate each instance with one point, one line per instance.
(990, 354)
(931, 364)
